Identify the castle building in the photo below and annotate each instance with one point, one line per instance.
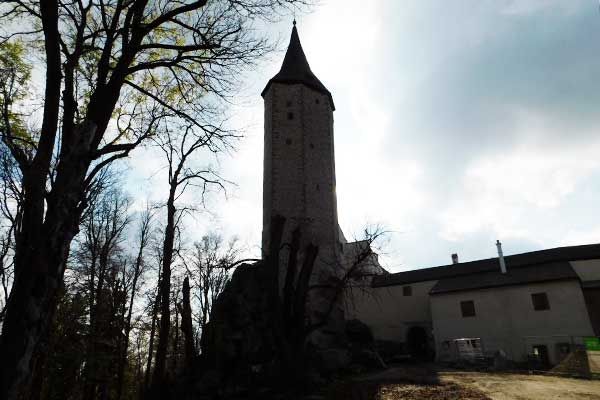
(299, 180)
(543, 302)
(299, 163)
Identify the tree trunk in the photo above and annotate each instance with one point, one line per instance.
(41, 253)
(175, 347)
(39, 371)
(152, 334)
(289, 307)
(186, 326)
(136, 274)
(158, 377)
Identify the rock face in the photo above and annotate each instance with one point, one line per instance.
(362, 347)
(242, 352)
(238, 344)
(359, 333)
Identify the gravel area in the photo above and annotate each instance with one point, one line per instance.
(428, 382)
(521, 386)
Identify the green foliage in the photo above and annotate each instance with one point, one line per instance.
(13, 65)
(15, 73)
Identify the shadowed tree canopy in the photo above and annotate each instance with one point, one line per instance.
(115, 72)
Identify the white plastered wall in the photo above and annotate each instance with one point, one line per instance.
(388, 312)
(506, 320)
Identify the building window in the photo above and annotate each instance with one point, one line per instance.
(288, 103)
(288, 141)
(312, 146)
(540, 301)
(406, 290)
(467, 308)
(317, 101)
(290, 115)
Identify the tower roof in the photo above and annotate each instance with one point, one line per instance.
(295, 69)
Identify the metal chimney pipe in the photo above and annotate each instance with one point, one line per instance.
(454, 258)
(501, 257)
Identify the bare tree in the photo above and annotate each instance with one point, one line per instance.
(99, 259)
(210, 266)
(180, 149)
(13, 75)
(163, 58)
(10, 214)
(155, 303)
(292, 309)
(185, 309)
(144, 236)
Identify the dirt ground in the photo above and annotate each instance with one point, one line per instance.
(428, 382)
(521, 386)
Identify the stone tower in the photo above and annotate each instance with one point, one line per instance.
(299, 165)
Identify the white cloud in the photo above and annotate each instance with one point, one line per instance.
(525, 7)
(503, 192)
(453, 126)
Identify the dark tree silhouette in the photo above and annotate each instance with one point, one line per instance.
(185, 309)
(127, 62)
(179, 147)
(210, 265)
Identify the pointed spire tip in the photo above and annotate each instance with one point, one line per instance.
(295, 68)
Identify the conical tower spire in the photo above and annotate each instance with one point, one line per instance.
(295, 68)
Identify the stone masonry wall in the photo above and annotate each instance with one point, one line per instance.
(299, 171)
(299, 175)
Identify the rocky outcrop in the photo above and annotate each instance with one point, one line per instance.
(362, 348)
(239, 345)
(242, 353)
(276, 326)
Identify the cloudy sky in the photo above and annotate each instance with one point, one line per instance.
(457, 123)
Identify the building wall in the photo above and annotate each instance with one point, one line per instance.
(588, 270)
(505, 318)
(299, 170)
(388, 312)
(299, 184)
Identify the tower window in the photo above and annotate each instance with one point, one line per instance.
(312, 146)
(317, 101)
(288, 103)
(317, 187)
(406, 290)
(290, 115)
(288, 141)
